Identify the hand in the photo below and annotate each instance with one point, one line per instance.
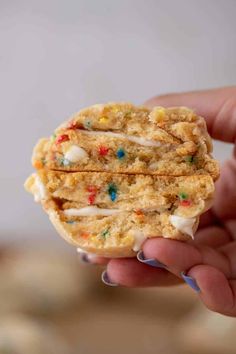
(208, 262)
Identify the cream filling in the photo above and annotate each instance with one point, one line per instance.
(139, 239)
(91, 211)
(75, 154)
(184, 225)
(134, 139)
(39, 190)
(94, 210)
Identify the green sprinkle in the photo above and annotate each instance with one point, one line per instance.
(87, 124)
(105, 234)
(64, 162)
(183, 196)
(191, 159)
(53, 137)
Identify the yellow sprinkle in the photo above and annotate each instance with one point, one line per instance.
(115, 109)
(160, 112)
(103, 119)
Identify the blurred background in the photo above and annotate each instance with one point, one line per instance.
(57, 57)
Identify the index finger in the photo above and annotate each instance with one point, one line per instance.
(217, 106)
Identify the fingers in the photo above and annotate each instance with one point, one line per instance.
(212, 236)
(181, 256)
(217, 106)
(129, 272)
(90, 258)
(216, 292)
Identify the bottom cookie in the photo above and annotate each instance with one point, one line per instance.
(113, 214)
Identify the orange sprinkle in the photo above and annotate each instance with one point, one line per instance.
(84, 234)
(139, 212)
(38, 164)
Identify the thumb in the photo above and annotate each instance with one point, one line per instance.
(217, 106)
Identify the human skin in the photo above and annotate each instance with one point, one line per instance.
(211, 258)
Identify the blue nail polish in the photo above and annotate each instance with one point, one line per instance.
(191, 282)
(84, 258)
(151, 261)
(106, 280)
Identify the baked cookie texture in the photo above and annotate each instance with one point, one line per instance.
(116, 174)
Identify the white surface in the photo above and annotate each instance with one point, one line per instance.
(59, 56)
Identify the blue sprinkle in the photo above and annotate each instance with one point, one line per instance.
(113, 196)
(112, 190)
(120, 153)
(70, 221)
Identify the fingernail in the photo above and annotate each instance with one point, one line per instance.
(106, 280)
(150, 261)
(191, 282)
(84, 258)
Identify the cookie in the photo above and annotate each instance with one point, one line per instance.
(122, 138)
(115, 174)
(112, 214)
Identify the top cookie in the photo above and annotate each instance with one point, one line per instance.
(122, 138)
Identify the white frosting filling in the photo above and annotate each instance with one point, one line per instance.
(75, 154)
(134, 139)
(139, 239)
(184, 225)
(91, 211)
(80, 250)
(40, 191)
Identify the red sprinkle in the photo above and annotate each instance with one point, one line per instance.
(103, 150)
(185, 203)
(61, 138)
(91, 199)
(75, 125)
(92, 189)
(93, 192)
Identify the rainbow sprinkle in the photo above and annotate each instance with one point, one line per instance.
(64, 162)
(92, 196)
(61, 139)
(191, 159)
(120, 153)
(84, 235)
(138, 212)
(103, 119)
(103, 150)
(53, 137)
(112, 191)
(87, 124)
(183, 196)
(184, 201)
(105, 233)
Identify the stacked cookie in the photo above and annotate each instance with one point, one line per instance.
(116, 174)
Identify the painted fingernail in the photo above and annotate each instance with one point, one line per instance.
(191, 282)
(106, 280)
(150, 261)
(84, 258)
